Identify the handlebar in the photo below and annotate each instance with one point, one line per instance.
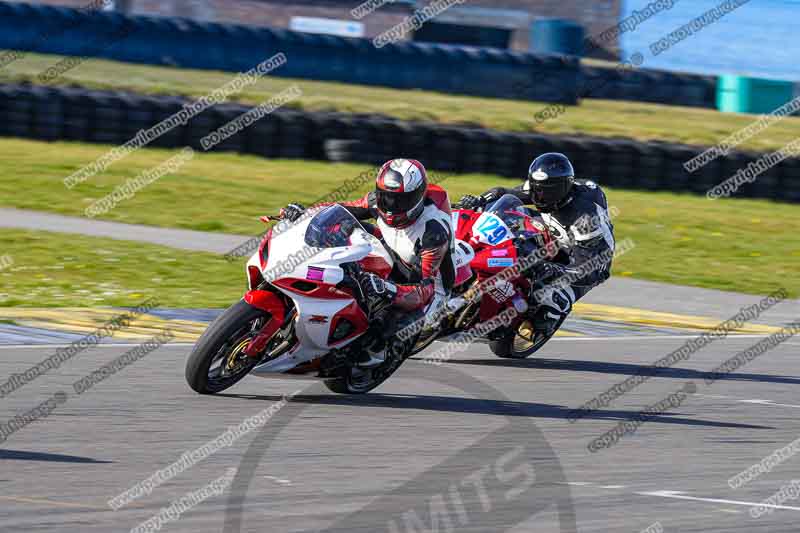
(266, 219)
(458, 205)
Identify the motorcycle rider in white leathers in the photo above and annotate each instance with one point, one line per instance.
(414, 222)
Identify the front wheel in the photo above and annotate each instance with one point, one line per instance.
(522, 343)
(218, 360)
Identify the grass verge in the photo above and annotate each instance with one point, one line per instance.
(741, 245)
(604, 118)
(65, 270)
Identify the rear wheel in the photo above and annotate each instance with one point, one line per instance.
(362, 380)
(359, 381)
(218, 360)
(523, 343)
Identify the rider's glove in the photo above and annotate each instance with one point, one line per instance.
(546, 271)
(492, 195)
(376, 290)
(292, 212)
(469, 201)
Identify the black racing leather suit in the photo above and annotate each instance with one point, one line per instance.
(582, 226)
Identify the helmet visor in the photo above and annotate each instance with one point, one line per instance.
(548, 193)
(398, 202)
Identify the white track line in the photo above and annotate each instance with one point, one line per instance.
(769, 402)
(679, 495)
(755, 401)
(278, 480)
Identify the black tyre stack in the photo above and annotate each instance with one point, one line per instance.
(113, 118)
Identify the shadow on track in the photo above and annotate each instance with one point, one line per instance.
(21, 455)
(454, 404)
(625, 369)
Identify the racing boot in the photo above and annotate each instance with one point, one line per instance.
(546, 320)
(372, 355)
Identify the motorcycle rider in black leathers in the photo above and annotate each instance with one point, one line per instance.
(576, 213)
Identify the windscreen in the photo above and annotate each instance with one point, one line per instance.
(510, 210)
(331, 228)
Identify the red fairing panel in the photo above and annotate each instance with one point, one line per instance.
(356, 316)
(272, 304)
(483, 256)
(266, 301)
(466, 219)
(317, 289)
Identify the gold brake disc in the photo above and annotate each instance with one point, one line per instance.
(234, 355)
(525, 331)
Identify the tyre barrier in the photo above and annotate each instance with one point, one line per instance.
(485, 72)
(187, 43)
(113, 117)
(653, 86)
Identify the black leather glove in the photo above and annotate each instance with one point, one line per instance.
(377, 291)
(292, 212)
(492, 195)
(547, 271)
(469, 201)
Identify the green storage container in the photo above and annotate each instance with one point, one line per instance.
(740, 94)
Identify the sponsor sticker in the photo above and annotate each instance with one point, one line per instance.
(500, 262)
(315, 273)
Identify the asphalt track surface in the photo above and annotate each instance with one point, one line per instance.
(478, 444)
(359, 463)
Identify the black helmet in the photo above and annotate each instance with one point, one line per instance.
(550, 179)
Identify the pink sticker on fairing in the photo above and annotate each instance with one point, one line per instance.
(500, 252)
(315, 273)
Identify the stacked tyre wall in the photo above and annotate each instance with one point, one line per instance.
(404, 65)
(191, 44)
(655, 86)
(76, 114)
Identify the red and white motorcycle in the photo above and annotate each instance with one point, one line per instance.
(305, 314)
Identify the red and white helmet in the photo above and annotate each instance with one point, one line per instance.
(400, 190)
